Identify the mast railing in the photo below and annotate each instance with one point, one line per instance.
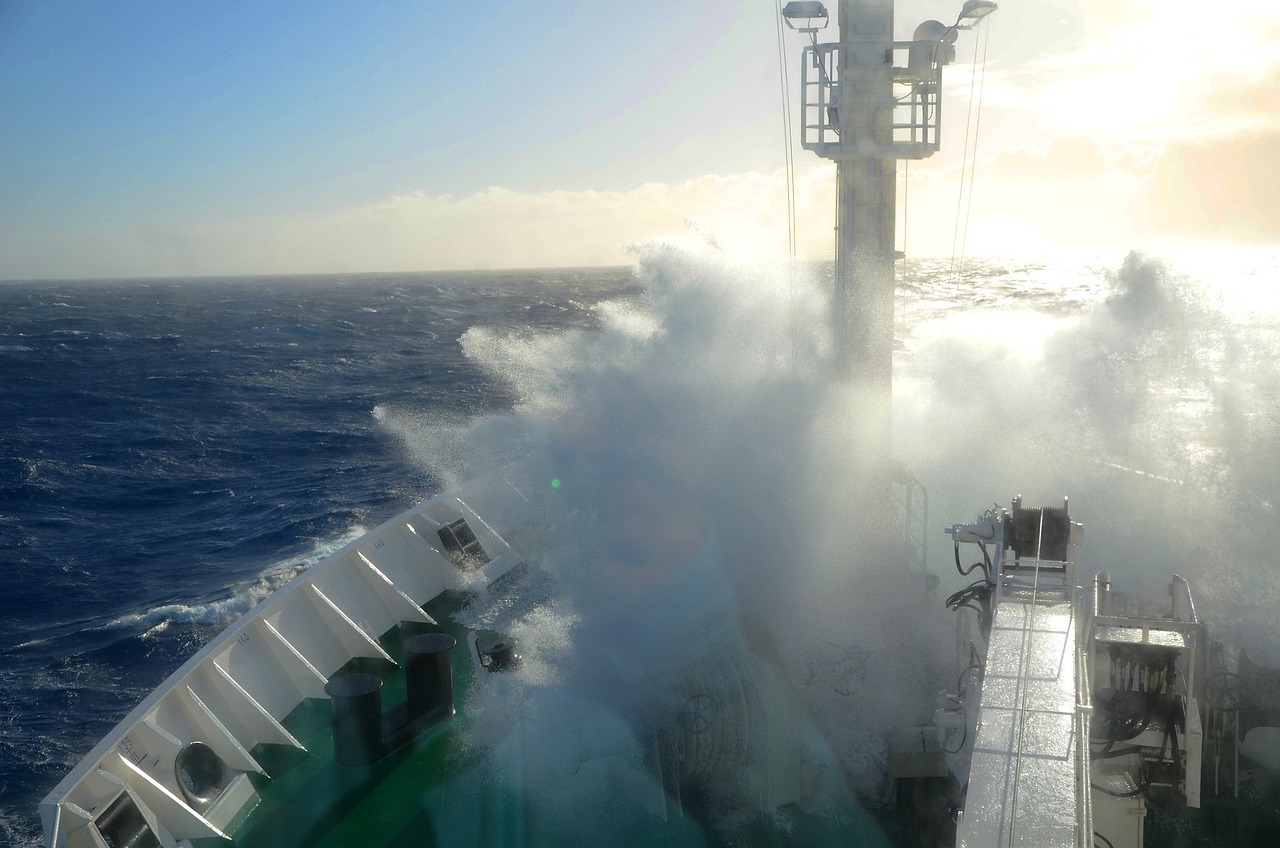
(833, 131)
(911, 502)
(1083, 719)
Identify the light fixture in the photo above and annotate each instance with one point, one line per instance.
(972, 12)
(807, 11)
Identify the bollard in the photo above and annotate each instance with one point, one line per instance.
(357, 718)
(428, 670)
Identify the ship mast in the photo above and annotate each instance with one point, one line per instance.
(866, 173)
(868, 101)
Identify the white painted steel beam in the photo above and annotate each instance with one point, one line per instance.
(251, 722)
(206, 727)
(168, 810)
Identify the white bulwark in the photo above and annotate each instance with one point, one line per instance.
(177, 766)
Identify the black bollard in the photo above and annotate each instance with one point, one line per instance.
(357, 718)
(428, 671)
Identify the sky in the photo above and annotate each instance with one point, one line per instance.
(218, 138)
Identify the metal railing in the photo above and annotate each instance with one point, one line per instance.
(1062, 589)
(1084, 713)
(1081, 713)
(1186, 611)
(903, 79)
(911, 501)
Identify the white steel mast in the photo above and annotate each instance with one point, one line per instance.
(868, 101)
(866, 172)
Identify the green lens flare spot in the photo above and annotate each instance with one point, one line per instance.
(555, 484)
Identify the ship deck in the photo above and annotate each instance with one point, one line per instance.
(439, 789)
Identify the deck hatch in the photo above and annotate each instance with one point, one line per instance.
(461, 545)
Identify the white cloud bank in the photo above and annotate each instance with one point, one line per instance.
(1072, 193)
(494, 228)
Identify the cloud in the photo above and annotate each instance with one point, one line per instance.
(1227, 188)
(493, 228)
(1115, 127)
(1159, 72)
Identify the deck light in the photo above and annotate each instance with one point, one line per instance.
(807, 11)
(972, 12)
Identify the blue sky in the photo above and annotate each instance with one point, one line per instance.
(143, 138)
(196, 108)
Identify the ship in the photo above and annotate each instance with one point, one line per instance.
(383, 697)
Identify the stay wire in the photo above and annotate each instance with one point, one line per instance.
(985, 30)
(906, 200)
(969, 165)
(964, 163)
(789, 165)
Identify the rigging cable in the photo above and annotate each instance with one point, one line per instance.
(906, 200)
(976, 82)
(789, 165)
(964, 162)
(977, 124)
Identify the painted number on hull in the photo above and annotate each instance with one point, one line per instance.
(132, 751)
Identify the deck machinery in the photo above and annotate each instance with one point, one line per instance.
(1074, 707)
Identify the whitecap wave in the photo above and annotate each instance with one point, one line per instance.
(222, 611)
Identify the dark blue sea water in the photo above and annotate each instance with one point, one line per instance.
(171, 450)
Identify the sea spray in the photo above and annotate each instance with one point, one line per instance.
(1149, 400)
(702, 524)
(711, 591)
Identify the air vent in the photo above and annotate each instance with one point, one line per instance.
(462, 546)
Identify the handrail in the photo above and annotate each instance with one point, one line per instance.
(1084, 708)
(915, 522)
(830, 46)
(1178, 579)
(1022, 708)
(910, 130)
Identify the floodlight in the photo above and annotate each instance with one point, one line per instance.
(804, 9)
(972, 12)
(807, 11)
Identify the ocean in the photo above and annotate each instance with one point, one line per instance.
(174, 449)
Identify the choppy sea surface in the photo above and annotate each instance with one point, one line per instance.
(172, 450)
